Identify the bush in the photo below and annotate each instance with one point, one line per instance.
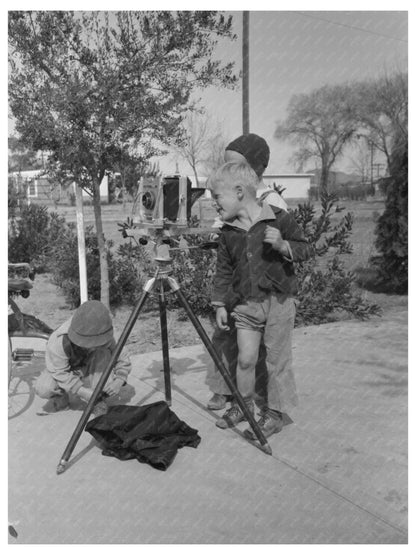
(33, 236)
(392, 228)
(326, 289)
(326, 294)
(16, 198)
(130, 269)
(28, 235)
(126, 282)
(194, 270)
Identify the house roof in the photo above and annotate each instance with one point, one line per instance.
(28, 173)
(288, 175)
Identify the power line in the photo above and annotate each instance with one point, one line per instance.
(308, 14)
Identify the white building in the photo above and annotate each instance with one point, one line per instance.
(37, 186)
(296, 185)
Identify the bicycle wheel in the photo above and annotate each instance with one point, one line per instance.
(21, 391)
(10, 361)
(24, 367)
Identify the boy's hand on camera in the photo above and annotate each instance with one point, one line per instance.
(273, 237)
(222, 318)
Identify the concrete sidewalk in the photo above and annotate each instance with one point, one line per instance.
(338, 474)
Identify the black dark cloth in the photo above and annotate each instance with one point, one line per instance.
(151, 433)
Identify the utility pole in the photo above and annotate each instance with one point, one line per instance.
(246, 120)
(371, 162)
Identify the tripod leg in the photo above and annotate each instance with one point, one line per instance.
(218, 362)
(104, 377)
(165, 344)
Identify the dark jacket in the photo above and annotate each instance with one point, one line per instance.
(151, 433)
(247, 268)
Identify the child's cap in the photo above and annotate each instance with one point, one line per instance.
(254, 149)
(91, 325)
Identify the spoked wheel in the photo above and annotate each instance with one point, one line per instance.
(21, 394)
(25, 364)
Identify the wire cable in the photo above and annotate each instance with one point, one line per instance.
(308, 14)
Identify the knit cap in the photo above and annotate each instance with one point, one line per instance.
(91, 325)
(254, 149)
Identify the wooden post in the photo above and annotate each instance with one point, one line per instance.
(82, 260)
(182, 201)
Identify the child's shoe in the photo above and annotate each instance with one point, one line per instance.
(55, 403)
(271, 422)
(234, 415)
(218, 401)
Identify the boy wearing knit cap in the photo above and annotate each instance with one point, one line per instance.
(255, 284)
(76, 355)
(254, 150)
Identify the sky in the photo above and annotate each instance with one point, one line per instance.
(292, 52)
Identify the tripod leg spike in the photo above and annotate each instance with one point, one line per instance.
(61, 467)
(265, 448)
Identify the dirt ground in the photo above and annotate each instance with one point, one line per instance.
(47, 303)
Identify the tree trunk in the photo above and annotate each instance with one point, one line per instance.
(123, 190)
(196, 176)
(323, 182)
(105, 282)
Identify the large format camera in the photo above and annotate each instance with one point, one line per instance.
(166, 199)
(162, 211)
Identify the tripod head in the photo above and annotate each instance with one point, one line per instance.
(161, 240)
(163, 264)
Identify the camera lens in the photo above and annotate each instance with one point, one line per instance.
(148, 200)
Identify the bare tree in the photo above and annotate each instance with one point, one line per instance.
(195, 141)
(203, 143)
(214, 155)
(360, 161)
(320, 124)
(382, 112)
